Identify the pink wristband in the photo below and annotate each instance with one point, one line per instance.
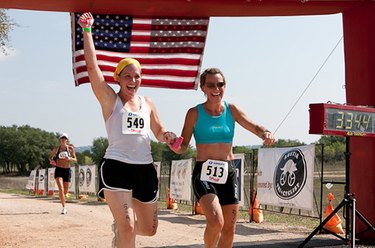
(177, 144)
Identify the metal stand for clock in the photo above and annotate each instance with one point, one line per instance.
(349, 203)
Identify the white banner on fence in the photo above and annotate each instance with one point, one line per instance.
(158, 170)
(30, 185)
(180, 185)
(87, 177)
(285, 176)
(41, 180)
(239, 162)
(51, 180)
(72, 184)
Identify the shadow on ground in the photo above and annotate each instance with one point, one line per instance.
(274, 244)
(290, 243)
(180, 218)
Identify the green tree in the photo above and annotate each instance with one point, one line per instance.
(8, 148)
(84, 158)
(334, 148)
(157, 149)
(169, 155)
(38, 146)
(161, 152)
(99, 145)
(288, 142)
(25, 148)
(242, 149)
(6, 25)
(87, 157)
(80, 157)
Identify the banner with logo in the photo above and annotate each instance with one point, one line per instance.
(239, 161)
(51, 185)
(285, 176)
(180, 184)
(30, 185)
(72, 184)
(41, 181)
(86, 177)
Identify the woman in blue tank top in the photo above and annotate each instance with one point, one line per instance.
(214, 178)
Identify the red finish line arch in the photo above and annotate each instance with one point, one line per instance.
(359, 49)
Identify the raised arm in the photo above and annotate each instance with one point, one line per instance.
(103, 92)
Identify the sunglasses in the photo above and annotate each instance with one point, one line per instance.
(215, 85)
(63, 137)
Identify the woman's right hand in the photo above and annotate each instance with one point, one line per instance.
(86, 20)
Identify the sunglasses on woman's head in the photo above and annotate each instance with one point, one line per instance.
(215, 85)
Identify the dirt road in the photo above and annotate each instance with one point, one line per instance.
(27, 221)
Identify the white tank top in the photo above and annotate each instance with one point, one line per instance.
(129, 134)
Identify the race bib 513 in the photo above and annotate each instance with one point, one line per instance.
(214, 171)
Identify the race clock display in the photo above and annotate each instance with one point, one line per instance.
(342, 120)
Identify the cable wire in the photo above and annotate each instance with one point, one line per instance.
(311, 81)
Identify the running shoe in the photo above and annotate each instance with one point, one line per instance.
(64, 211)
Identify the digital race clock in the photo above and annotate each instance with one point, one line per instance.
(342, 120)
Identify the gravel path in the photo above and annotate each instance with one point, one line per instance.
(27, 221)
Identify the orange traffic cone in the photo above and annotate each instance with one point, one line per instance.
(334, 224)
(35, 190)
(82, 196)
(255, 212)
(198, 209)
(170, 202)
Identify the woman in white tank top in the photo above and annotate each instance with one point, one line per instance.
(129, 121)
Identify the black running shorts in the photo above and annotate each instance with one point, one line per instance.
(227, 193)
(65, 173)
(140, 179)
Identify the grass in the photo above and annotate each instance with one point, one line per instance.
(16, 191)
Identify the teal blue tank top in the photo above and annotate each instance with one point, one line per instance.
(214, 129)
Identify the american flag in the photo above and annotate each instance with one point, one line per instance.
(170, 50)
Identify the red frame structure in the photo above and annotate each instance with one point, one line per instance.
(191, 7)
(359, 47)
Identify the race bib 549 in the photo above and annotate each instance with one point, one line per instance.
(133, 123)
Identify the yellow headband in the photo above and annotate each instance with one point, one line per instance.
(124, 63)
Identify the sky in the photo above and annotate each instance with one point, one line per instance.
(268, 63)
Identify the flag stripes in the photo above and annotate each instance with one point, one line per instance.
(169, 49)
